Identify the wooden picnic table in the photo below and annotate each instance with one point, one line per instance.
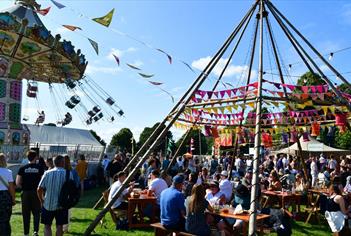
(245, 217)
(284, 197)
(313, 199)
(136, 207)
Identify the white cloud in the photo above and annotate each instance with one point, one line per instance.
(119, 53)
(138, 63)
(231, 70)
(101, 69)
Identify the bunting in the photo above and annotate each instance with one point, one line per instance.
(145, 75)
(133, 67)
(168, 56)
(94, 45)
(72, 27)
(116, 58)
(155, 83)
(58, 5)
(105, 20)
(43, 12)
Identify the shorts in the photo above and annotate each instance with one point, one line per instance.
(61, 216)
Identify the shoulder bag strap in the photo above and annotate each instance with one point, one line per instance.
(4, 182)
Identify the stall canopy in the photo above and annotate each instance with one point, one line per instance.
(61, 136)
(311, 146)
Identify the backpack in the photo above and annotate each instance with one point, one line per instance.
(70, 193)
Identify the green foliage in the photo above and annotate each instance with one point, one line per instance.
(186, 146)
(210, 143)
(123, 140)
(98, 138)
(343, 140)
(345, 88)
(309, 79)
(161, 145)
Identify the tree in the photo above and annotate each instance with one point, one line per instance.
(98, 138)
(186, 146)
(123, 140)
(161, 146)
(345, 88)
(309, 79)
(343, 140)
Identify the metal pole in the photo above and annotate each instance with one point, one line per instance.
(255, 183)
(190, 90)
(179, 109)
(297, 44)
(311, 46)
(200, 142)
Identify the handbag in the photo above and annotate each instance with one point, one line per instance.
(336, 220)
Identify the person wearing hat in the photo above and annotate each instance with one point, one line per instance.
(172, 205)
(215, 196)
(226, 186)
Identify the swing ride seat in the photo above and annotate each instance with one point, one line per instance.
(31, 94)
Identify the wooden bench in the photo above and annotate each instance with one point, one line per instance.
(162, 231)
(115, 213)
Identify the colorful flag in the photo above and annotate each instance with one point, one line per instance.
(187, 65)
(155, 83)
(58, 5)
(168, 56)
(43, 12)
(105, 20)
(116, 58)
(133, 67)
(94, 45)
(145, 75)
(72, 27)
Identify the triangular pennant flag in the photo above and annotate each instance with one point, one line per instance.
(222, 93)
(251, 104)
(116, 58)
(58, 5)
(291, 87)
(215, 94)
(105, 20)
(72, 27)
(43, 12)
(325, 109)
(155, 83)
(281, 94)
(304, 96)
(332, 109)
(320, 96)
(243, 106)
(235, 106)
(187, 65)
(320, 88)
(276, 104)
(304, 89)
(229, 108)
(209, 94)
(297, 95)
(313, 89)
(133, 67)
(145, 75)
(276, 85)
(222, 109)
(229, 92)
(234, 91)
(168, 56)
(94, 45)
(314, 96)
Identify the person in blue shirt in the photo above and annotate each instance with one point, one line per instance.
(172, 205)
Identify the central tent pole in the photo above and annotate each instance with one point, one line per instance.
(256, 161)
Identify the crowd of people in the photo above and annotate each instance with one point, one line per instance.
(192, 188)
(189, 190)
(40, 183)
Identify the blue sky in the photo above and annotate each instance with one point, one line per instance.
(191, 31)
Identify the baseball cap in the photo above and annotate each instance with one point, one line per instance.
(178, 179)
(224, 173)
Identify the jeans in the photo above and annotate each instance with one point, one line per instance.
(30, 205)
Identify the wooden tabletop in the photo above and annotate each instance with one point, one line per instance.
(143, 197)
(244, 217)
(320, 191)
(280, 193)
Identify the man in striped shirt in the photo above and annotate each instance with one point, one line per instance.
(48, 191)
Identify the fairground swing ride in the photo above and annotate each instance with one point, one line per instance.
(255, 108)
(29, 52)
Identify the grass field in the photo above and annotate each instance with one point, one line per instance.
(83, 214)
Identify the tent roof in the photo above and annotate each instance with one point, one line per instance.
(59, 135)
(310, 146)
(22, 12)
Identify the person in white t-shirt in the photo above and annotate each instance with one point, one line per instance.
(314, 171)
(226, 186)
(120, 203)
(215, 196)
(7, 196)
(332, 163)
(157, 185)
